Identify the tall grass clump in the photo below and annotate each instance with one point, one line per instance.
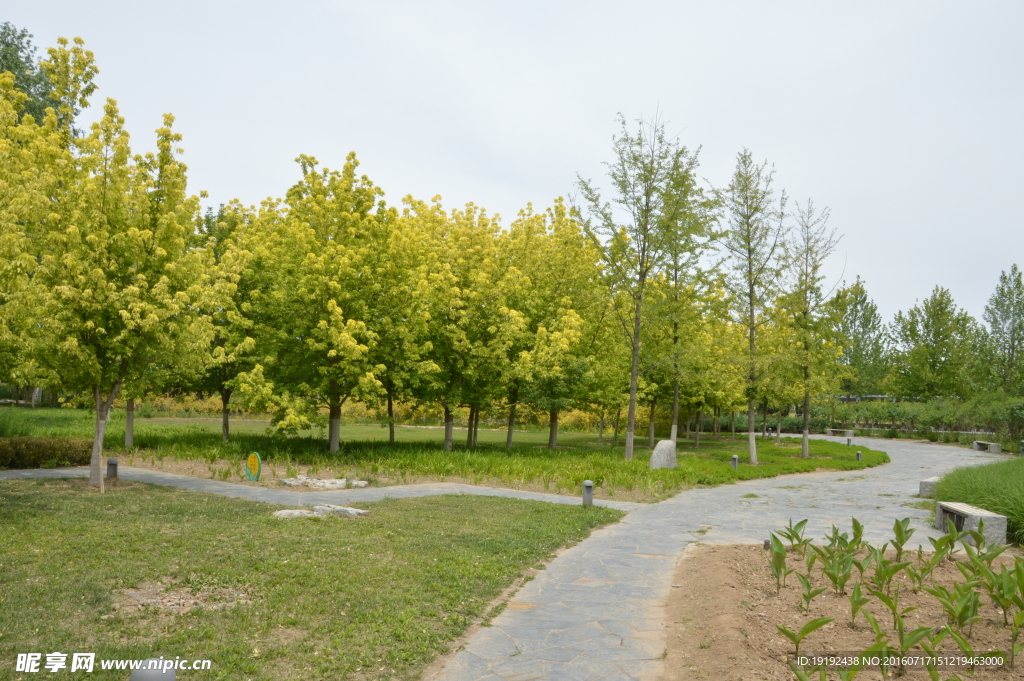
(996, 487)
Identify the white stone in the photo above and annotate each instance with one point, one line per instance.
(927, 489)
(343, 511)
(317, 483)
(664, 455)
(294, 513)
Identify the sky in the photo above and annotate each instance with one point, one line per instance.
(904, 118)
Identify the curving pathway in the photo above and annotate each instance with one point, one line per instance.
(597, 611)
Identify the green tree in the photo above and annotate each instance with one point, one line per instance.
(937, 348)
(864, 340)
(116, 291)
(1004, 315)
(807, 306)
(316, 265)
(18, 56)
(653, 192)
(754, 233)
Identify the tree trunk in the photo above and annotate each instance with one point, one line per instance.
(553, 429)
(600, 429)
(334, 423)
(102, 414)
(718, 423)
(674, 434)
(391, 419)
(634, 376)
(469, 426)
(696, 429)
(512, 415)
(778, 428)
(448, 423)
(225, 414)
(805, 449)
(764, 420)
(732, 425)
(752, 431)
(650, 426)
(476, 427)
(615, 435)
(129, 424)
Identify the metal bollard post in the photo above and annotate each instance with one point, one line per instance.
(858, 455)
(588, 493)
(767, 544)
(849, 441)
(735, 462)
(111, 469)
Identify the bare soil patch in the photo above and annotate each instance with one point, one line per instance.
(176, 601)
(722, 613)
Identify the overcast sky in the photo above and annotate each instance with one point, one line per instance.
(904, 117)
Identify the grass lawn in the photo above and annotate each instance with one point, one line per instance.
(373, 598)
(996, 487)
(419, 456)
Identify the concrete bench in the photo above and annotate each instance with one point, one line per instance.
(927, 490)
(967, 517)
(990, 447)
(840, 431)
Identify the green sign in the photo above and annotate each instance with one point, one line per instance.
(253, 467)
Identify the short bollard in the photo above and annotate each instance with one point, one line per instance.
(767, 544)
(111, 469)
(155, 670)
(735, 462)
(588, 493)
(859, 455)
(849, 441)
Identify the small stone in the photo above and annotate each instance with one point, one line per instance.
(664, 455)
(927, 488)
(294, 513)
(342, 511)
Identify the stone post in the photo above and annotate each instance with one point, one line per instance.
(588, 493)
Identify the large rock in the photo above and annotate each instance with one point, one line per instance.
(294, 513)
(664, 455)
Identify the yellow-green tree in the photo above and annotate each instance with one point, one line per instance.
(115, 290)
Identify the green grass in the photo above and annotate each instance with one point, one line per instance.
(373, 598)
(418, 454)
(996, 487)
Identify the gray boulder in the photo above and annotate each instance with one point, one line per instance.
(343, 511)
(664, 455)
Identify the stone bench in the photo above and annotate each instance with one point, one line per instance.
(967, 517)
(927, 490)
(840, 431)
(990, 447)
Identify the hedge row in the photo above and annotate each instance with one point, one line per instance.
(44, 452)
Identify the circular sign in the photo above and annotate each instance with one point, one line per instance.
(253, 467)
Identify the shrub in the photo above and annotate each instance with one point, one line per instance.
(44, 452)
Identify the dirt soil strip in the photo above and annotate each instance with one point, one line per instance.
(723, 610)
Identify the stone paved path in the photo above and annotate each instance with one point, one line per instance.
(290, 498)
(597, 611)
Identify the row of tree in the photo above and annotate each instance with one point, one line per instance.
(667, 292)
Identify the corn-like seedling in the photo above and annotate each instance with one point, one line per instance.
(809, 593)
(857, 601)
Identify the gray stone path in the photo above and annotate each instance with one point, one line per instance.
(292, 498)
(598, 610)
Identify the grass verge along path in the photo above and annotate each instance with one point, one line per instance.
(996, 487)
(418, 456)
(373, 598)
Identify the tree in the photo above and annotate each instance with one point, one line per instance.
(812, 243)
(317, 265)
(18, 56)
(752, 239)
(652, 183)
(1004, 315)
(116, 291)
(864, 340)
(554, 281)
(937, 350)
